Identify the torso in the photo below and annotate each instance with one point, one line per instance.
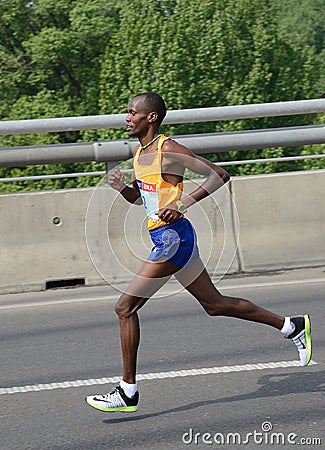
(159, 179)
(171, 172)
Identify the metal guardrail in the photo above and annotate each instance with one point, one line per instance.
(116, 150)
(107, 151)
(173, 117)
(104, 172)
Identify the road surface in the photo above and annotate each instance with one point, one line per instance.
(205, 382)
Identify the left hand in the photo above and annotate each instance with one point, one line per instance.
(168, 213)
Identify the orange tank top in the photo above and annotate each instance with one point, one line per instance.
(155, 191)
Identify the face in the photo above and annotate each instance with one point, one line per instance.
(137, 118)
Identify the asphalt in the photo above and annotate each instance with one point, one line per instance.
(66, 335)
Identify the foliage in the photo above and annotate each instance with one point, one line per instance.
(71, 58)
(304, 21)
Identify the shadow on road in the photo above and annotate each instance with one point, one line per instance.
(273, 385)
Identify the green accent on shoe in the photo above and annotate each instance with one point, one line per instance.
(116, 409)
(308, 338)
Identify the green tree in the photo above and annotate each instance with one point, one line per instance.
(304, 22)
(68, 58)
(207, 53)
(50, 56)
(52, 53)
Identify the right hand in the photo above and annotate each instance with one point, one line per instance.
(116, 180)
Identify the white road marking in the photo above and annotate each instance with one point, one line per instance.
(276, 283)
(167, 292)
(59, 302)
(151, 376)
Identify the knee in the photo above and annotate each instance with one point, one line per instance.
(127, 305)
(122, 307)
(212, 310)
(217, 308)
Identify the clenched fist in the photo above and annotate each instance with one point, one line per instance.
(116, 180)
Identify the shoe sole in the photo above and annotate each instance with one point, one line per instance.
(116, 409)
(308, 338)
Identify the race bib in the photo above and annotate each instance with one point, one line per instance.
(149, 195)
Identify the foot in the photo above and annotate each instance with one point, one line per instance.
(116, 400)
(301, 337)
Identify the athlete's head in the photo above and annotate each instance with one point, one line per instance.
(153, 102)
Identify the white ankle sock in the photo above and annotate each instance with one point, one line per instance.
(129, 389)
(288, 327)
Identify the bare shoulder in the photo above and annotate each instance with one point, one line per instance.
(179, 154)
(171, 146)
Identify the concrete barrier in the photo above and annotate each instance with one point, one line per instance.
(93, 236)
(282, 220)
(42, 239)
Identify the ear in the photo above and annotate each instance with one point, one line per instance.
(152, 117)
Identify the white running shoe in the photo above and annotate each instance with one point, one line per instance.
(116, 400)
(301, 337)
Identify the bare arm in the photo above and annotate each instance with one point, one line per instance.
(216, 177)
(130, 193)
(183, 157)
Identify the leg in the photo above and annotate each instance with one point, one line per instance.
(151, 277)
(197, 281)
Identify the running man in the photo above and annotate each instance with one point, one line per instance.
(157, 183)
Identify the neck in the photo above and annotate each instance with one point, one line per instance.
(147, 144)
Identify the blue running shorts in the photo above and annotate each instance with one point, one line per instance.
(176, 242)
